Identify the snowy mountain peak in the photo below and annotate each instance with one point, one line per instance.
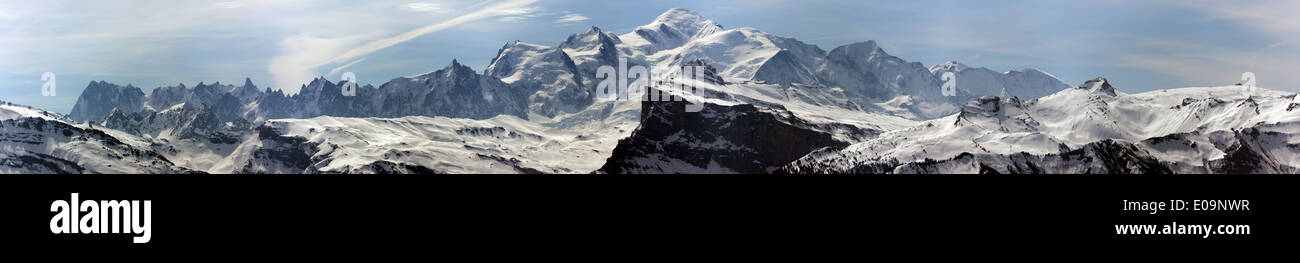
(506, 52)
(687, 22)
(1037, 73)
(114, 118)
(547, 76)
(517, 43)
(678, 13)
(869, 45)
(1099, 85)
(246, 93)
(1188, 130)
(670, 30)
(316, 82)
(593, 38)
(865, 50)
(1027, 83)
(950, 66)
(456, 69)
(517, 58)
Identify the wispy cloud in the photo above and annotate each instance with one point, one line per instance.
(300, 52)
(509, 7)
(514, 10)
(303, 54)
(572, 18)
(426, 7)
(511, 19)
(518, 14)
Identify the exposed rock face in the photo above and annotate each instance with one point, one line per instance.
(279, 154)
(1103, 157)
(165, 97)
(100, 98)
(455, 91)
(386, 167)
(718, 139)
(198, 123)
(1255, 151)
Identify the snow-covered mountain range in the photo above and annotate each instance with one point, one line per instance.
(1093, 128)
(770, 104)
(36, 141)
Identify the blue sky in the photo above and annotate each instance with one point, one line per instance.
(1138, 45)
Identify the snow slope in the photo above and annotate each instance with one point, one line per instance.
(33, 141)
(670, 30)
(15, 111)
(578, 143)
(1187, 130)
(546, 75)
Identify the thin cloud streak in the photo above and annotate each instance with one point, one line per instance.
(426, 7)
(303, 54)
(572, 18)
(398, 39)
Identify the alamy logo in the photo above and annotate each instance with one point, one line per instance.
(101, 217)
(349, 88)
(48, 89)
(949, 87)
(614, 83)
(1248, 84)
